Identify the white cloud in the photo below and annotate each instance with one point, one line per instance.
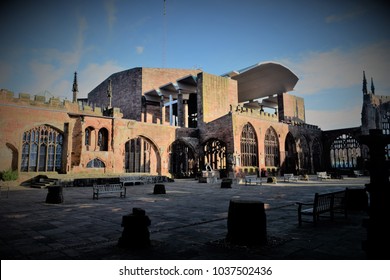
(139, 49)
(91, 76)
(348, 15)
(337, 69)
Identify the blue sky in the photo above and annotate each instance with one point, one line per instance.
(327, 44)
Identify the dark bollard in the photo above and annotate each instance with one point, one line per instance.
(135, 230)
(357, 200)
(54, 195)
(159, 189)
(226, 183)
(247, 223)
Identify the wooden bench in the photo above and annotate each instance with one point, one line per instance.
(133, 182)
(357, 173)
(290, 177)
(323, 203)
(108, 188)
(323, 176)
(249, 179)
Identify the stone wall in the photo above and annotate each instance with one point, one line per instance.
(291, 107)
(215, 96)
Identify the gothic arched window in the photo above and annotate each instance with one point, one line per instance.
(182, 161)
(88, 136)
(248, 146)
(215, 154)
(344, 152)
(103, 139)
(42, 150)
(271, 147)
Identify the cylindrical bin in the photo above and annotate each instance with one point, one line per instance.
(159, 189)
(54, 195)
(226, 183)
(247, 222)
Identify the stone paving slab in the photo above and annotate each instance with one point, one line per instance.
(188, 222)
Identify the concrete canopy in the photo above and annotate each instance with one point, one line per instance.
(263, 80)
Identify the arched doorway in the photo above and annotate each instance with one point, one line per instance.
(141, 156)
(182, 162)
(317, 155)
(291, 161)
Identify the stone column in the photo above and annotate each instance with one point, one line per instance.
(162, 107)
(180, 111)
(377, 245)
(185, 113)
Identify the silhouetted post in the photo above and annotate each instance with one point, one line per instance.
(54, 195)
(247, 222)
(135, 230)
(377, 245)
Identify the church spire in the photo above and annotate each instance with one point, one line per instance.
(372, 86)
(364, 83)
(75, 88)
(109, 93)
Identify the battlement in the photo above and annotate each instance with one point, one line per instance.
(55, 103)
(241, 110)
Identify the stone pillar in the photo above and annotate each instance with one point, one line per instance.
(180, 111)
(54, 195)
(135, 230)
(377, 245)
(247, 223)
(185, 113)
(162, 107)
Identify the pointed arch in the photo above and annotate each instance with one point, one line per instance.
(182, 161)
(103, 139)
(271, 148)
(345, 152)
(215, 153)
(142, 156)
(249, 146)
(316, 155)
(291, 161)
(303, 150)
(42, 148)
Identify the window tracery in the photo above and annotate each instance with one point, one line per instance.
(41, 150)
(248, 146)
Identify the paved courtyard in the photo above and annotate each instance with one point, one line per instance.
(188, 222)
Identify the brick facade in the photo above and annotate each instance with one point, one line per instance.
(97, 139)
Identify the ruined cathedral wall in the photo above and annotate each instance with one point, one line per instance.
(18, 115)
(220, 129)
(153, 78)
(126, 93)
(216, 96)
(260, 126)
(160, 137)
(291, 107)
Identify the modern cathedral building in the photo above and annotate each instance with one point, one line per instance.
(175, 122)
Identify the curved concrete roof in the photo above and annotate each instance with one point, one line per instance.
(263, 80)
